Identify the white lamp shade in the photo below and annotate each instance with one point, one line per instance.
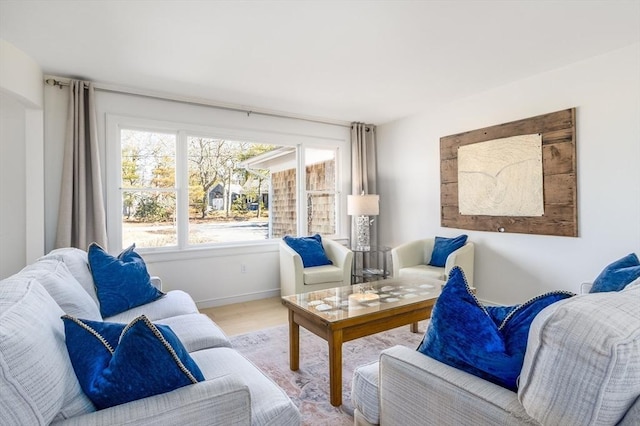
(363, 205)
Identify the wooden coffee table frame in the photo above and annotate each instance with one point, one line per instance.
(338, 332)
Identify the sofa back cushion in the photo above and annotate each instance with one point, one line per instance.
(78, 264)
(582, 364)
(37, 381)
(55, 277)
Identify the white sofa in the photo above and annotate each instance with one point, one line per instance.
(581, 367)
(38, 385)
(294, 278)
(411, 260)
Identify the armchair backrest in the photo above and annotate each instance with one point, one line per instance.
(427, 247)
(417, 252)
(336, 253)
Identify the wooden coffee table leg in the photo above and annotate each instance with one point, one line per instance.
(294, 343)
(414, 327)
(335, 367)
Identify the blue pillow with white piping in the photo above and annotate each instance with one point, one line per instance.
(118, 363)
(488, 342)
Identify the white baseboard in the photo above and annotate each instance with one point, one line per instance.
(211, 303)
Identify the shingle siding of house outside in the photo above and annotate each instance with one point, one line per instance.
(283, 206)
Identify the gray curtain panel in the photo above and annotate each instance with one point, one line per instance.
(81, 216)
(364, 170)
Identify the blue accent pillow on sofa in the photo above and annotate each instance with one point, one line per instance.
(121, 282)
(443, 247)
(310, 250)
(119, 363)
(488, 342)
(617, 275)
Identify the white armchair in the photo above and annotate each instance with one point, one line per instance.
(294, 278)
(411, 260)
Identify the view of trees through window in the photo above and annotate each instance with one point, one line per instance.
(227, 190)
(148, 188)
(226, 202)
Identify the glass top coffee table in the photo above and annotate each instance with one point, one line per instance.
(342, 314)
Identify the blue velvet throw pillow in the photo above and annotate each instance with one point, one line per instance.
(119, 363)
(488, 342)
(443, 247)
(121, 282)
(310, 250)
(617, 275)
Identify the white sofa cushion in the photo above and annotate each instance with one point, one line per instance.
(632, 416)
(269, 404)
(173, 303)
(62, 286)
(37, 382)
(582, 364)
(78, 264)
(418, 390)
(197, 331)
(365, 393)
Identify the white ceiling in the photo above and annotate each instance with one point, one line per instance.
(372, 61)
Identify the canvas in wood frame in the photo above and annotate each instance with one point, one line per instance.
(558, 132)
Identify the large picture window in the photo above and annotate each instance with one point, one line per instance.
(179, 188)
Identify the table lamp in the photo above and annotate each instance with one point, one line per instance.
(363, 206)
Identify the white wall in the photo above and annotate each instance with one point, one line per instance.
(20, 76)
(12, 186)
(21, 155)
(510, 268)
(211, 276)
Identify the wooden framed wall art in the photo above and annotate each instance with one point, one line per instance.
(515, 177)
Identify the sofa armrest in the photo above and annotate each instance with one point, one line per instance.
(291, 269)
(463, 257)
(416, 389)
(221, 401)
(413, 253)
(156, 282)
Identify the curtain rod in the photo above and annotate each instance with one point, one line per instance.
(197, 102)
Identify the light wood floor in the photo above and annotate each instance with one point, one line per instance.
(240, 318)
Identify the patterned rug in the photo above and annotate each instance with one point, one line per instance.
(308, 387)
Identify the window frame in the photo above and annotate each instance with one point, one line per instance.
(113, 170)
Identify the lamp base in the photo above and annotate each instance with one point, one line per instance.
(363, 241)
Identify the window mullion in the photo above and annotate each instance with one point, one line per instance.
(337, 211)
(113, 205)
(301, 185)
(182, 187)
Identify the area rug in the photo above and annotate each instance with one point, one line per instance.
(308, 387)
